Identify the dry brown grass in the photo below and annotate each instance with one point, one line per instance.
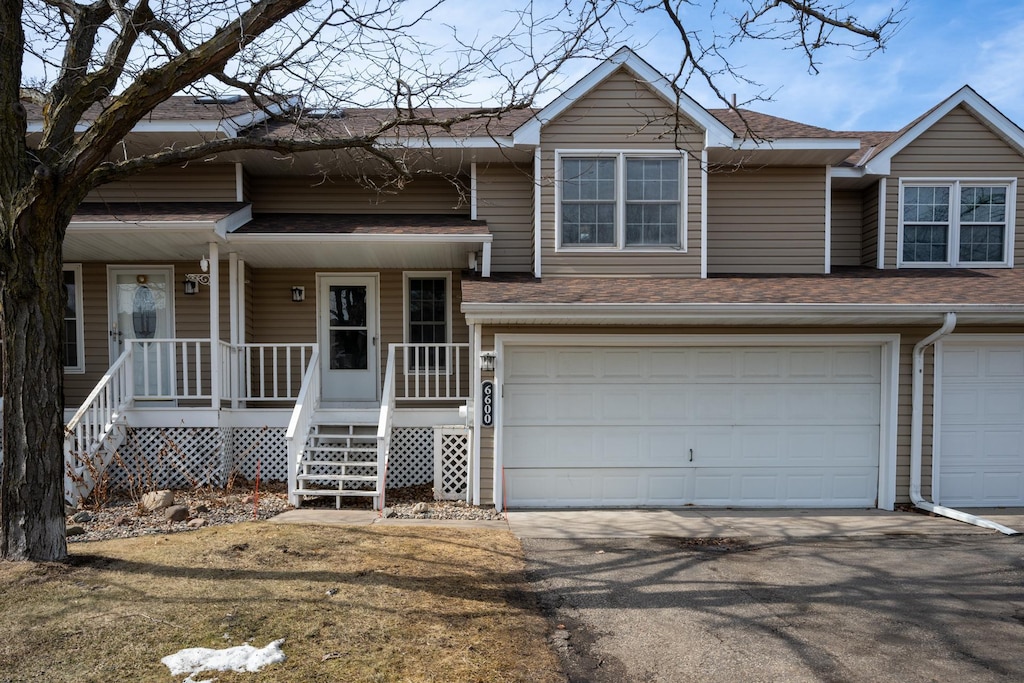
(412, 604)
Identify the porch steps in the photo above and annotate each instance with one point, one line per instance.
(339, 460)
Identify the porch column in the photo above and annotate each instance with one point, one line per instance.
(214, 326)
(233, 317)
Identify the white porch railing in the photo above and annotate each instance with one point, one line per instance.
(87, 436)
(302, 418)
(264, 372)
(431, 372)
(169, 369)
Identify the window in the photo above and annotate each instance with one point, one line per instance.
(956, 223)
(73, 334)
(428, 314)
(621, 201)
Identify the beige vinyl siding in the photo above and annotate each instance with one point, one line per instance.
(277, 319)
(869, 222)
(846, 227)
(620, 114)
(770, 220)
(196, 182)
(958, 146)
(429, 195)
(504, 198)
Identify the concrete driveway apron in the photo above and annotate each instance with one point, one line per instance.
(777, 596)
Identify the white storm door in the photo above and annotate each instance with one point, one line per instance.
(348, 338)
(141, 304)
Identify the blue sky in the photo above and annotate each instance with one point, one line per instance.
(940, 46)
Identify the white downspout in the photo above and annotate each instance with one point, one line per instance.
(917, 431)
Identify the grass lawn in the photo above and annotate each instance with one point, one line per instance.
(353, 603)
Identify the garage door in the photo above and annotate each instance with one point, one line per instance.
(981, 424)
(604, 426)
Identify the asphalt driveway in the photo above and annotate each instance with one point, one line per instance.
(887, 606)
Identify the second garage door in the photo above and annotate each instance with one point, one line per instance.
(665, 426)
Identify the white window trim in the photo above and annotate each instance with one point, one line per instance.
(427, 274)
(954, 221)
(78, 369)
(620, 157)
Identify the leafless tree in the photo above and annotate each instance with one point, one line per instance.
(92, 71)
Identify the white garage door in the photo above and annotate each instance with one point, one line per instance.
(604, 426)
(981, 425)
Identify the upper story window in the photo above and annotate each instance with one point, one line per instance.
(957, 223)
(73, 329)
(621, 201)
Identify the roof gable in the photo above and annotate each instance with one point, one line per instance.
(879, 162)
(717, 133)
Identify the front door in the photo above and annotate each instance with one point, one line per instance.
(141, 302)
(348, 338)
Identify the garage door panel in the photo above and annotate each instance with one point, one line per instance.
(981, 424)
(766, 426)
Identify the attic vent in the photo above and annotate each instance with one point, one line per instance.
(218, 99)
(324, 113)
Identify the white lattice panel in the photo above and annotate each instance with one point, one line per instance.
(264, 446)
(412, 457)
(178, 457)
(451, 463)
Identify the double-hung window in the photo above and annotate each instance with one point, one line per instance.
(73, 337)
(956, 223)
(621, 201)
(428, 316)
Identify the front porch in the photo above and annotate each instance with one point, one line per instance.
(171, 413)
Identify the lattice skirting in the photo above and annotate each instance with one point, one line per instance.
(412, 457)
(184, 457)
(451, 462)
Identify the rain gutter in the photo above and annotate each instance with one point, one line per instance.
(916, 437)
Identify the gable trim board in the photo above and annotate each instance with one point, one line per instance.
(978, 421)
(831, 483)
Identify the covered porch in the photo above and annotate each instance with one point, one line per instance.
(276, 367)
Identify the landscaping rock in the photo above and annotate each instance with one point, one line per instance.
(196, 523)
(202, 509)
(157, 500)
(176, 513)
(420, 509)
(389, 513)
(122, 520)
(74, 530)
(82, 517)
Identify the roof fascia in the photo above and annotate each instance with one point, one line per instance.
(498, 313)
(781, 144)
(303, 237)
(717, 133)
(978, 105)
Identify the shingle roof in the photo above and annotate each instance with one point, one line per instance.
(177, 108)
(355, 224)
(848, 286)
(154, 212)
(362, 121)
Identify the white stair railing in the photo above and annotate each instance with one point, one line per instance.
(387, 413)
(93, 433)
(301, 420)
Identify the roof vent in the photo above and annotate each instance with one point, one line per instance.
(324, 113)
(218, 99)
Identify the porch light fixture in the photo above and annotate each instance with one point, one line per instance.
(193, 280)
(191, 287)
(298, 294)
(487, 361)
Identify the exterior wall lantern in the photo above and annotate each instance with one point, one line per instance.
(298, 294)
(487, 361)
(193, 280)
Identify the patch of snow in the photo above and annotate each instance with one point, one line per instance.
(194, 660)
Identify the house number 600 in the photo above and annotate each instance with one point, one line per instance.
(487, 393)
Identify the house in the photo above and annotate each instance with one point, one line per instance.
(621, 299)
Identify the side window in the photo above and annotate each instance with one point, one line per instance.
(428, 317)
(73, 328)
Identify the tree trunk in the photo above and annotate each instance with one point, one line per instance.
(32, 300)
